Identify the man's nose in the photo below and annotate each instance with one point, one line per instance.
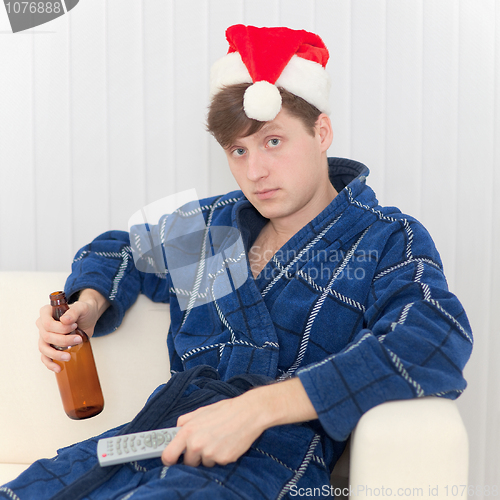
(256, 167)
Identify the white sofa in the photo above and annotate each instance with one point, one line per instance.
(415, 448)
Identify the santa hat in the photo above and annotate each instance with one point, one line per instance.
(270, 58)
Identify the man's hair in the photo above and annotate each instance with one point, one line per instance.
(227, 120)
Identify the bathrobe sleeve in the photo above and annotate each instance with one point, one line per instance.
(107, 265)
(415, 339)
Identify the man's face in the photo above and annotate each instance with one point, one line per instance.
(282, 170)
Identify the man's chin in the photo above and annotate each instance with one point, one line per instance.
(270, 212)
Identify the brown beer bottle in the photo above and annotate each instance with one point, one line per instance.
(78, 380)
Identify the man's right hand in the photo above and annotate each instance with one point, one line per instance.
(83, 313)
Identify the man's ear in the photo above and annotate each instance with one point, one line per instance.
(325, 131)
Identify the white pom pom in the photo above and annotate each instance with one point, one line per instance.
(262, 101)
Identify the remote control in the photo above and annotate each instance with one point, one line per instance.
(130, 447)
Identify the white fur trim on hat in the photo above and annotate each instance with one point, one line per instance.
(307, 79)
(228, 70)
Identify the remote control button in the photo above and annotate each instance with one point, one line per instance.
(154, 440)
(159, 440)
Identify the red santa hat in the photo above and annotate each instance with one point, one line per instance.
(270, 58)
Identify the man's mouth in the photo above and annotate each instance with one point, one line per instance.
(265, 194)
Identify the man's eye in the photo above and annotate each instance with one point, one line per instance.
(274, 142)
(239, 152)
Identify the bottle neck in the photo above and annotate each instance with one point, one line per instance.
(58, 298)
(59, 307)
(59, 304)
(59, 310)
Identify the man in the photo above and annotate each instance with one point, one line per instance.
(345, 305)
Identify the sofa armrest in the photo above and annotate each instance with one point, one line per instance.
(419, 445)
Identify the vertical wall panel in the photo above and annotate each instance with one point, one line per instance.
(125, 97)
(439, 128)
(4, 23)
(159, 99)
(474, 209)
(492, 410)
(90, 179)
(51, 127)
(368, 87)
(17, 179)
(402, 173)
(492, 428)
(333, 24)
(288, 10)
(262, 12)
(221, 15)
(191, 87)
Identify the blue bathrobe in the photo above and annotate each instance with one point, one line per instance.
(355, 304)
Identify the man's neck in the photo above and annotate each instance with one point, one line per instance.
(281, 229)
(278, 231)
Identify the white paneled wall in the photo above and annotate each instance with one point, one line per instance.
(102, 111)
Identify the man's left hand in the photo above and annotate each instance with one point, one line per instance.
(220, 433)
(216, 434)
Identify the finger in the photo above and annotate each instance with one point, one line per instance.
(184, 419)
(207, 462)
(59, 340)
(50, 364)
(75, 312)
(173, 451)
(191, 458)
(46, 323)
(70, 317)
(54, 354)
